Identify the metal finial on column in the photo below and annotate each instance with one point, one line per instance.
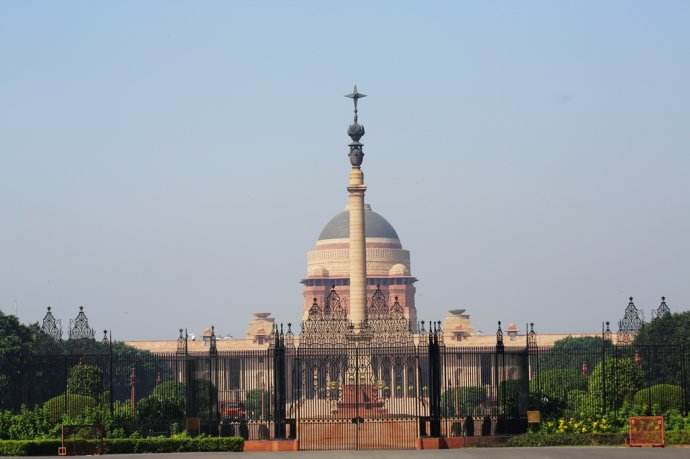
(355, 95)
(181, 342)
(213, 347)
(356, 132)
(531, 336)
(607, 331)
(499, 338)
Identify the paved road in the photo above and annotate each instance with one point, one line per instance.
(466, 453)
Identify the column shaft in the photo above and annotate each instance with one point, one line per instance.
(358, 256)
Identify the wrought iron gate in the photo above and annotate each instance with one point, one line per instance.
(358, 396)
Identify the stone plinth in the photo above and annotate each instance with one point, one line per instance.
(360, 400)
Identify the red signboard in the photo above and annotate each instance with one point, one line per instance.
(646, 431)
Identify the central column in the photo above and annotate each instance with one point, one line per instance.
(358, 253)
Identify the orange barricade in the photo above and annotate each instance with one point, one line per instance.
(646, 431)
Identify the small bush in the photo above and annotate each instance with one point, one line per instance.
(662, 397)
(581, 403)
(24, 425)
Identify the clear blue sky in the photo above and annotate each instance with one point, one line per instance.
(168, 164)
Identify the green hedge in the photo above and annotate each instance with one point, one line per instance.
(678, 438)
(121, 446)
(587, 439)
(566, 439)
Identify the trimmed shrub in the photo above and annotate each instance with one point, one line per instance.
(170, 390)
(662, 397)
(85, 380)
(158, 414)
(70, 404)
(121, 446)
(678, 438)
(615, 381)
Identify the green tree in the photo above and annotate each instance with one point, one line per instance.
(462, 401)
(171, 390)
(253, 403)
(671, 329)
(24, 379)
(573, 352)
(86, 380)
(509, 396)
(615, 381)
(662, 344)
(554, 384)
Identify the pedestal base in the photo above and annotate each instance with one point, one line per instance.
(360, 401)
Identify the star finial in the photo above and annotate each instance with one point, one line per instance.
(355, 96)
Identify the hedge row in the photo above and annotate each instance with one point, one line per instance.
(120, 446)
(678, 438)
(566, 439)
(587, 439)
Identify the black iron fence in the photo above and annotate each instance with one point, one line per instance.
(357, 395)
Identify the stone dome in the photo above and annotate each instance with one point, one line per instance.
(375, 225)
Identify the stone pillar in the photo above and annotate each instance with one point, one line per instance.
(478, 424)
(357, 252)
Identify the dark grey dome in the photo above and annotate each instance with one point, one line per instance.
(375, 226)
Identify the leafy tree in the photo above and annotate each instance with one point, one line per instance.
(17, 341)
(572, 352)
(615, 381)
(671, 329)
(171, 390)
(85, 380)
(462, 401)
(253, 403)
(556, 383)
(201, 395)
(662, 344)
(509, 396)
